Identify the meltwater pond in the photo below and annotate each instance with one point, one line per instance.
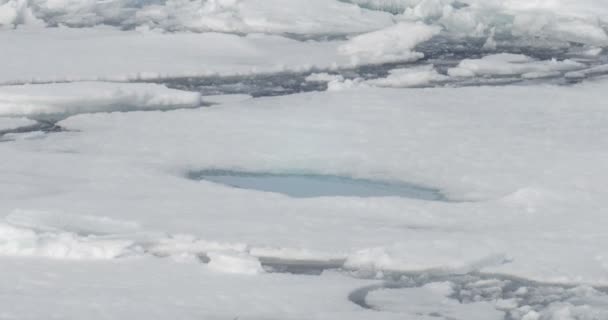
(316, 185)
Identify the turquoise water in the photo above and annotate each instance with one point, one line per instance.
(315, 185)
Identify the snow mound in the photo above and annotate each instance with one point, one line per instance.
(84, 97)
(395, 43)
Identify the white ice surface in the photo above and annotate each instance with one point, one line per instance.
(60, 54)
(83, 97)
(486, 145)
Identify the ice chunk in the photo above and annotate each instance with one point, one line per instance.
(234, 262)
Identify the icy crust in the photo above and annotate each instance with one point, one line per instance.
(62, 54)
(242, 16)
(86, 97)
(486, 149)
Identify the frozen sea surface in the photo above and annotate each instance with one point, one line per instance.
(304, 159)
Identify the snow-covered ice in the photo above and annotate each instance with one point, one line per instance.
(304, 159)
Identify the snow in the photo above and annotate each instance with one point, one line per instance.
(79, 97)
